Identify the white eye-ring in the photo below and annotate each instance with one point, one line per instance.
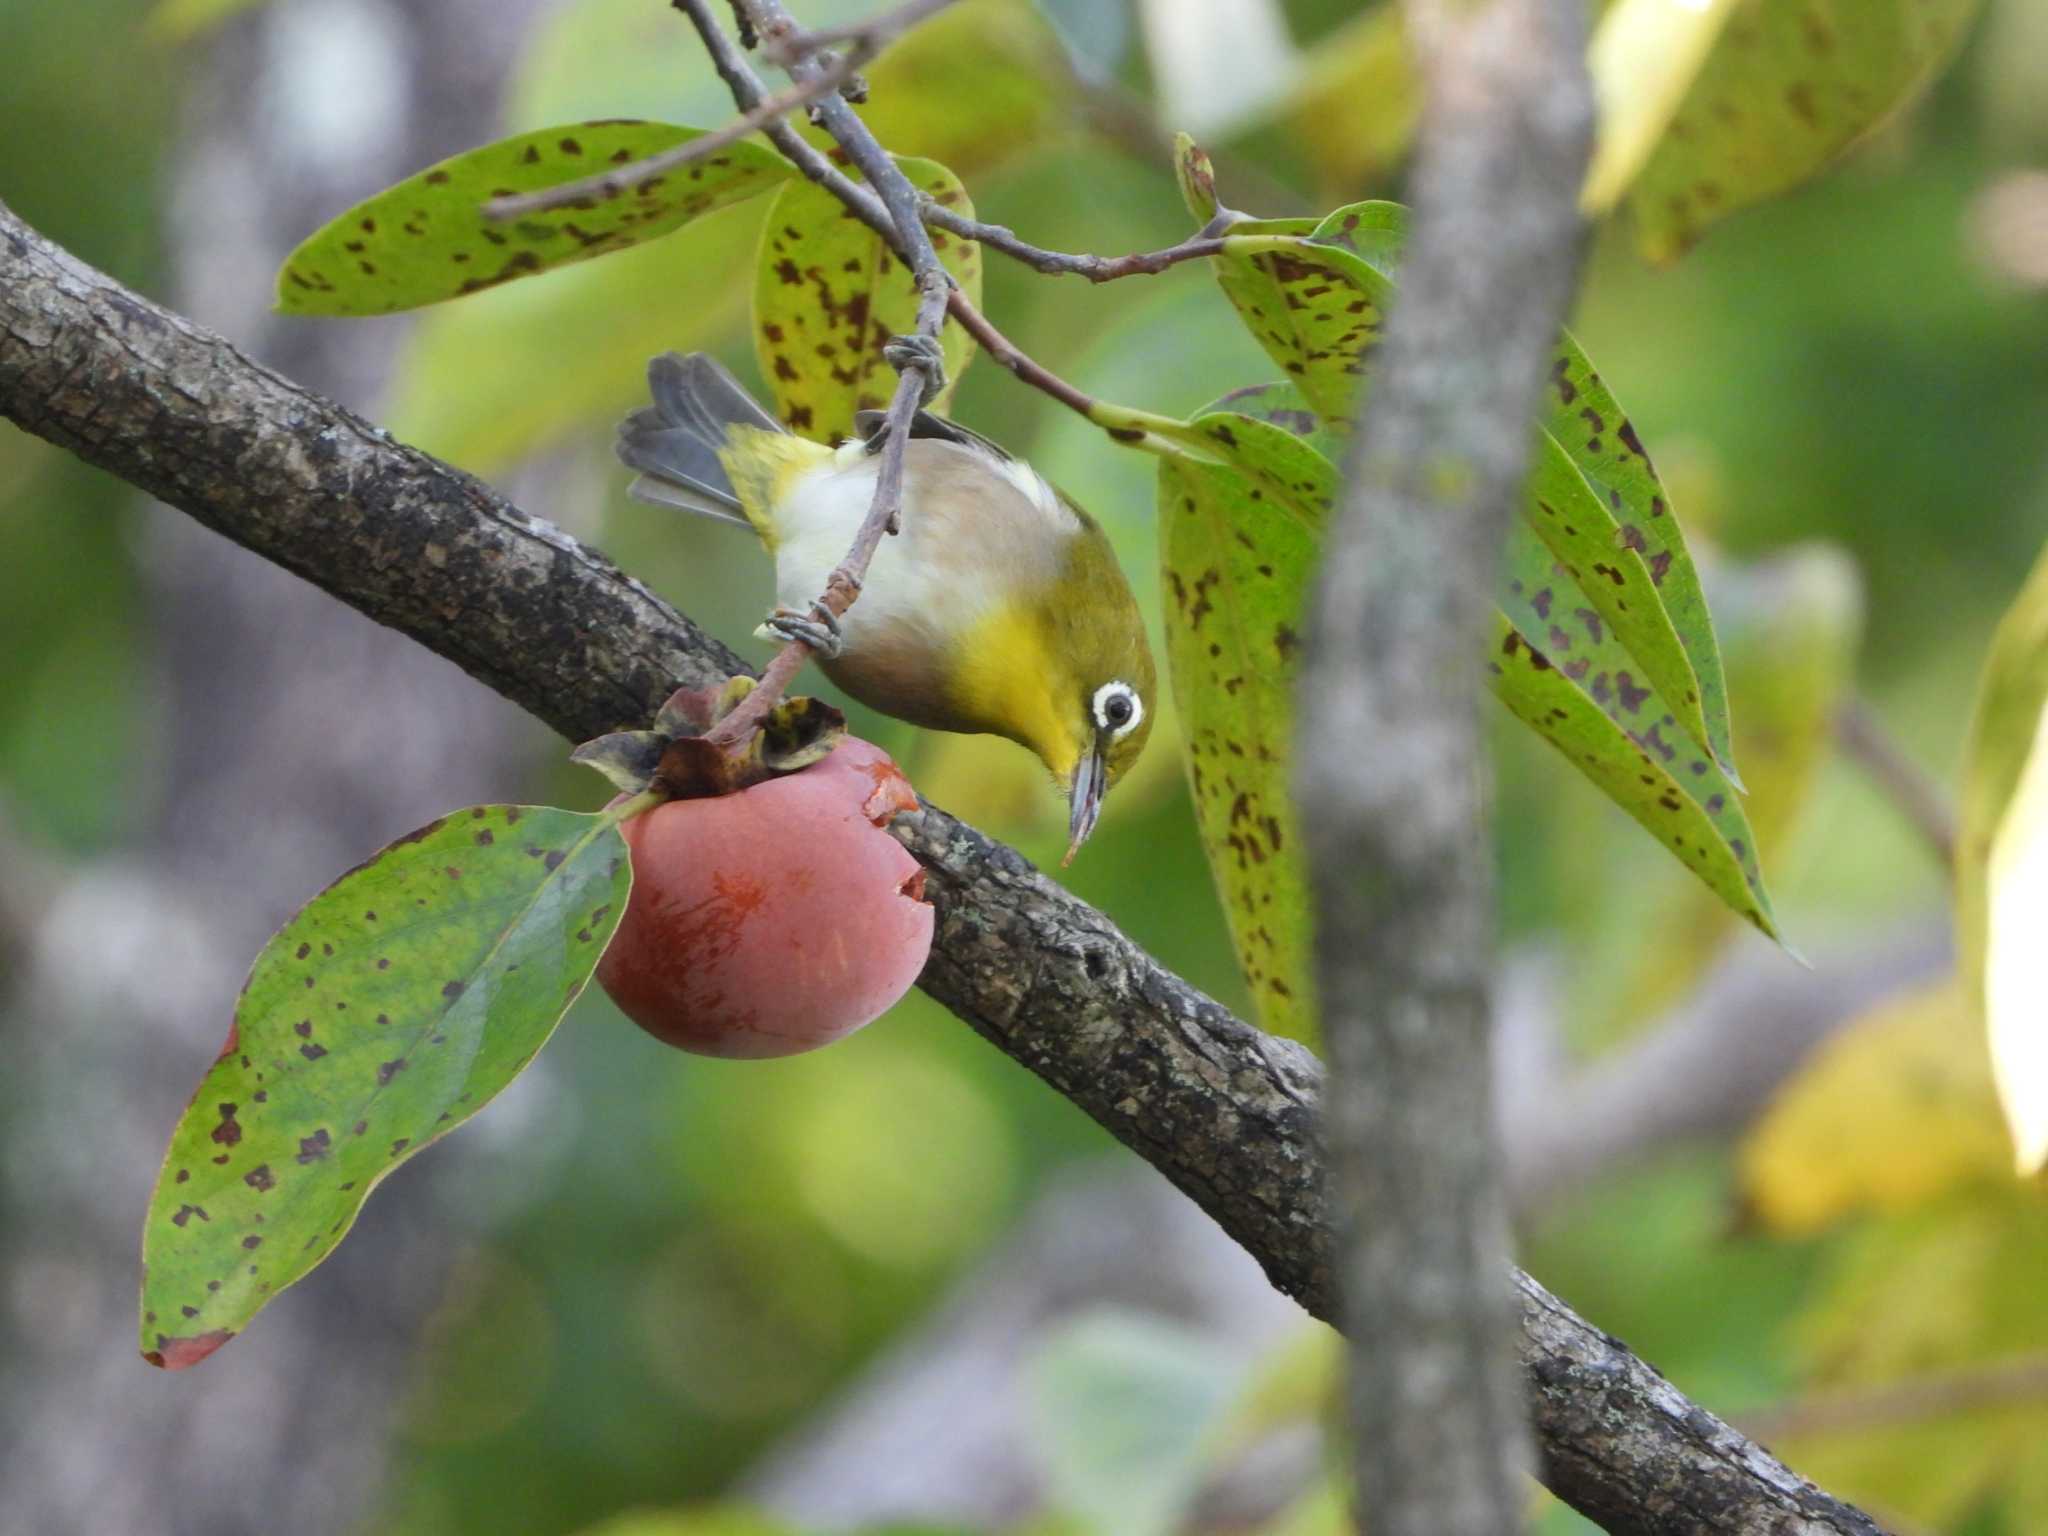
(1118, 709)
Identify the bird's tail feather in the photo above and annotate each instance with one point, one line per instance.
(677, 443)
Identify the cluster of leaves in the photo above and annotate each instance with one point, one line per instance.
(1603, 644)
(1603, 647)
(418, 986)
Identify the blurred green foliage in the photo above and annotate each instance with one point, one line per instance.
(695, 1253)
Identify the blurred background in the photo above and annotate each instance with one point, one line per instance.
(900, 1285)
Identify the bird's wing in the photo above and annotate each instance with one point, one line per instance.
(867, 425)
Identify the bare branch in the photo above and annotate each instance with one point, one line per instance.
(1097, 269)
(863, 39)
(609, 184)
(1391, 768)
(1227, 1113)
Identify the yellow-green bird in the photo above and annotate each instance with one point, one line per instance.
(999, 608)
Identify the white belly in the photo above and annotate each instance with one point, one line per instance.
(972, 530)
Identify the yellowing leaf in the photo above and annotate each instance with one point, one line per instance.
(1909, 1325)
(1895, 1110)
(1999, 855)
(1644, 58)
(828, 295)
(1786, 86)
(2016, 961)
(1355, 107)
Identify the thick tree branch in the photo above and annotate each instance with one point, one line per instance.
(1226, 1112)
(1392, 775)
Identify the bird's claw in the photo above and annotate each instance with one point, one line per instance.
(925, 355)
(819, 629)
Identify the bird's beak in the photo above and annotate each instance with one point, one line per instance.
(1084, 800)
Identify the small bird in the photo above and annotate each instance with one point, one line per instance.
(998, 609)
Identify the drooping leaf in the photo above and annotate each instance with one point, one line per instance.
(1631, 771)
(1239, 564)
(2001, 846)
(828, 295)
(1785, 87)
(393, 1007)
(1891, 1113)
(426, 239)
(1125, 1406)
(1596, 432)
(1314, 295)
(1790, 626)
(1239, 543)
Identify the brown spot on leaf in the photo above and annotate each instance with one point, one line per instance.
(227, 1133)
(314, 1147)
(260, 1178)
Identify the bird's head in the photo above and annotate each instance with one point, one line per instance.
(1103, 691)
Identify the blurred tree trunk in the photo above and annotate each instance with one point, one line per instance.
(263, 782)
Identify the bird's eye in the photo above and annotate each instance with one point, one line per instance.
(1118, 708)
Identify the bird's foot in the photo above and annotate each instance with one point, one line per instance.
(925, 355)
(819, 629)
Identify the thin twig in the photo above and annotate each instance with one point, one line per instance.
(610, 184)
(1230, 1115)
(863, 40)
(1097, 269)
(1913, 792)
(862, 202)
(869, 35)
(783, 38)
(844, 584)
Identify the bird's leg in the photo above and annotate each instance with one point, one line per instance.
(819, 629)
(925, 355)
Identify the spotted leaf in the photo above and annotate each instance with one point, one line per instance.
(427, 239)
(393, 1007)
(1298, 285)
(1239, 562)
(1631, 772)
(1311, 294)
(1784, 88)
(1240, 540)
(1597, 435)
(828, 295)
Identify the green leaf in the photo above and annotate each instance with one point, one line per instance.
(1239, 562)
(538, 392)
(393, 1007)
(1597, 434)
(2002, 862)
(1240, 541)
(1657, 788)
(1786, 86)
(1790, 627)
(426, 239)
(1314, 293)
(1125, 1409)
(828, 295)
(1314, 297)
